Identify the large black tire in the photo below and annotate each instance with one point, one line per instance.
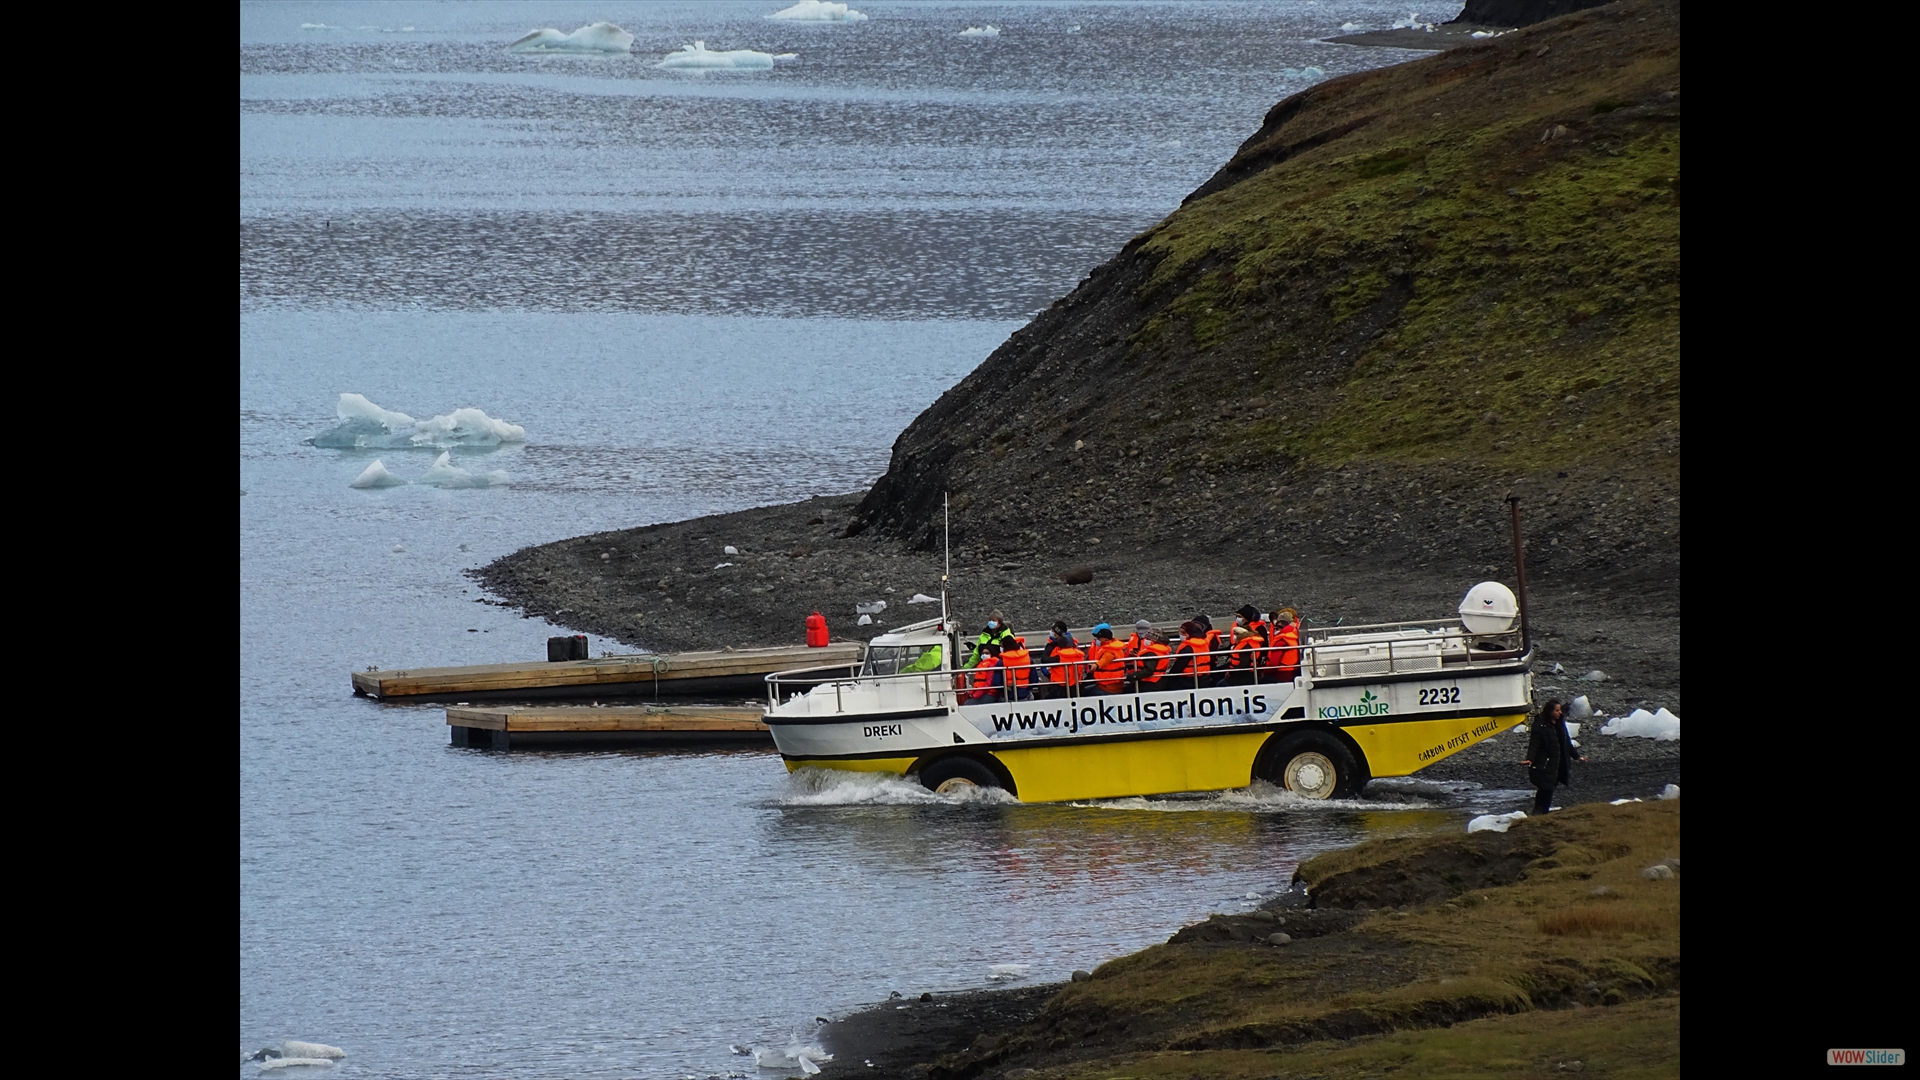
(951, 773)
(1313, 765)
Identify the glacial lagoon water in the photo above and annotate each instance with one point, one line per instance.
(695, 292)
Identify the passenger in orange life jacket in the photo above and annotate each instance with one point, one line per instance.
(1109, 662)
(988, 676)
(1151, 663)
(1067, 664)
(1017, 662)
(1191, 658)
(1142, 633)
(1243, 660)
(1263, 626)
(1283, 647)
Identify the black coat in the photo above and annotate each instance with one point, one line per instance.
(1552, 756)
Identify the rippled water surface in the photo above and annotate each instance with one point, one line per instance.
(694, 293)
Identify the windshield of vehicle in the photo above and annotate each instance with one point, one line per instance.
(893, 659)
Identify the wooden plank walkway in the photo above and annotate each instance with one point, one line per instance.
(710, 672)
(505, 727)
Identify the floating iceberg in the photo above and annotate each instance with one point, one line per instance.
(600, 37)
(1350, 27)
(697, 57)
(1660, 726)
(807, 1057)
(1311, 71)
(1412, 22)
(816, 11)
(981, 31)
(446, 474)
(376, 476)
(1495, 822)
(366, 426)
(1003, 972)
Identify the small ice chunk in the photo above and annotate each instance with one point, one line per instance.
(600, 37)
(922, 598)
(1573, 729)
(445, 474)
(399, 549)
(1519, 729)
(871, 607)
(1350, 27)
(729, 550)
(1622, 802)
(294, 1062)
(1495, 822)
(1003, 972)
(719, 566)
(808, 1067)
(1659, 726)
(376, 476)
(865, 620)
(1671, 791)
(296, 1048)
(981, 31)
(817, 11)
(1596, 675)
(697, 57)
(1580, 708)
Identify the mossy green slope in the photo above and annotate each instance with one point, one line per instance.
(1455, 276)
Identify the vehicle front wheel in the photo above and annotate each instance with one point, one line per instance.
(1313, 765)
(952, 775)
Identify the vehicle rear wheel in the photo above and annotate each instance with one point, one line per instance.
(1313, 765)
(951, 775)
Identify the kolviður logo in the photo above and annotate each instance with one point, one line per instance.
(1368, 706)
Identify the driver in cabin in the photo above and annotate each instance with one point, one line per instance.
(926, 661)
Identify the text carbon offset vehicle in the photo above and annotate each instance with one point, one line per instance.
(1366, 701)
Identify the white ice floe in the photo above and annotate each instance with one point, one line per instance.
(295, 1062)
(729, 550)
(1622, 802)
(366, 426)
(1350, 27)
(1671, 791)
(871, 607)
(319, 26)
(1484, 34)
(817, 11)
(445, 474)
(376, 476)
(981, 31)
(1659, 726)
(1007, 972)
(1412, 22)
(697, 57)
(600, 37)
(922, 598)
(865, 620)
(1495, 822)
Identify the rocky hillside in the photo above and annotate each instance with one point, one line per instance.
(1412, 290)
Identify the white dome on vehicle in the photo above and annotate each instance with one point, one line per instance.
(1489, 609)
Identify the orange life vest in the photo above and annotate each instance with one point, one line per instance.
(1109, 663)
(1069, 665)
(1284, 650)
(1199, 648)
(1152, 661)
(1017, 662)
(1134, 644)
(1246, 652)
(983, 673)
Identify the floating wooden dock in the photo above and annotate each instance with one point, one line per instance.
(711, 673)
(506, 727)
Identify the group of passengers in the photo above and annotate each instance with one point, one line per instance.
(1256, 649)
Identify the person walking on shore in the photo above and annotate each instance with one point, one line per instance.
(1550, 755)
